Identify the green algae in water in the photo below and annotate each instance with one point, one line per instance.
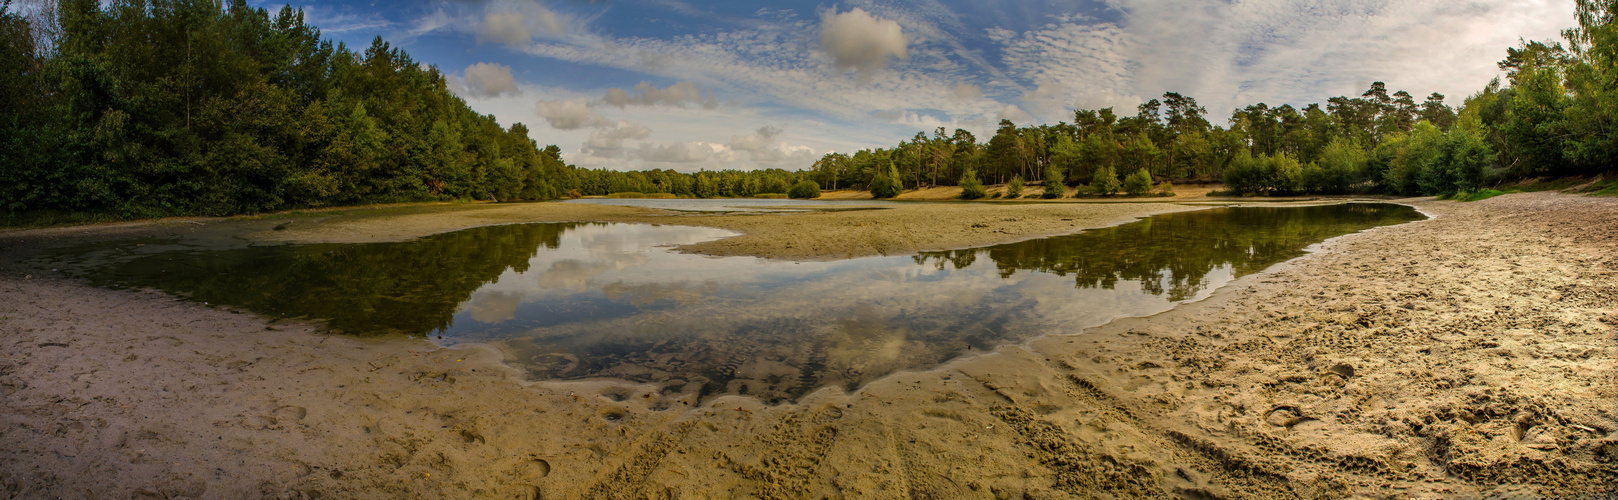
(580, 301)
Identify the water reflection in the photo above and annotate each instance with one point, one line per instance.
(574, 301)
(1172, 255)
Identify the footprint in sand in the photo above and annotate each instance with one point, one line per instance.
(531, 470)
(290, 413)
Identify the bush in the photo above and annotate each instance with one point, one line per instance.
(1165, 189)
(1055, 183)
(804, 190)
(1082, 191)
(886, 185)
(971, 187)
(1138, 183)
(1246, 175)
(1014, 190)
(770, 196)
(1287, 174)
(1105, 182)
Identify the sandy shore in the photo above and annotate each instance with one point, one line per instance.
(1464, 356)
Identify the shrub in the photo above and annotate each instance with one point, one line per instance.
(1287, 174)
(804, 190)
(1165, 189)
(971, 187)
(1246, 174)
(1055, 183)
(1082, 191)
(1138, 183)
(1014, 190)
(1105, 182)
(770, 196)
(886, 185)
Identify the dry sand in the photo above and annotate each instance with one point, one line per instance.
(1468, 355)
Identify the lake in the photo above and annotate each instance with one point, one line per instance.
(611, 301)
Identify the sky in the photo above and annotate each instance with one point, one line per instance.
(689, 85)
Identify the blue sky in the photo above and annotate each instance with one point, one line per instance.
(631, 84)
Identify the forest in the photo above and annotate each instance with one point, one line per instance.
(170, 107)
(149, 108)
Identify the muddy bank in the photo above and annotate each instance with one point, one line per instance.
(1467, 355)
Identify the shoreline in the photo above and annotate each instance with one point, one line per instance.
(972, 418)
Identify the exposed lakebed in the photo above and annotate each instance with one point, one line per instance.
(579, 301)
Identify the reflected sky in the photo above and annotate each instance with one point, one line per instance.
(580, 301)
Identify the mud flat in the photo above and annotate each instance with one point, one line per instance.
(1467, 355)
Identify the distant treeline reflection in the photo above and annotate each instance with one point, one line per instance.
(1171, 255)
(364, 289)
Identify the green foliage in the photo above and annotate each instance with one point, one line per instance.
(1286, 175)
(1482, 194)
(1341, 165)
(197, 108)
(1138, 183)
(1279, 175)
(1247, 175)
(1105, 182)
(886, 186)
(804, 189)
(1014, 189)
(1055, 185)
(1165, 188)
(971, 187)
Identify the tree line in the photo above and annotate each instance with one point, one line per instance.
(1558, 117)
(144, 108)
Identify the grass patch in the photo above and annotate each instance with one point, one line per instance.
(632, 194)
(1481, 194)
(770, 196)
(1605, 187)
(44, 218)
(1543, 184)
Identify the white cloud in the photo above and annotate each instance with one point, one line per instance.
(755, 141)
(516, 23)
(685, 152)
(966, 91)
(766, 150)
(609, 142)
(484, 80)
(570, 114)
(646, 94)
(1015, 114)
(856, 40)
(506, 27)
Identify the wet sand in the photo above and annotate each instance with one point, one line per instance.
(1468, 355)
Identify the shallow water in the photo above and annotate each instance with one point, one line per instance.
(578, 301)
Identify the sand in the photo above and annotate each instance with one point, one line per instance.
(1468, 355)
